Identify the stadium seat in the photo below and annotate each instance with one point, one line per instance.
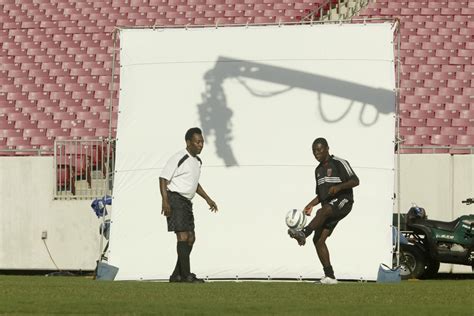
(440, 122)
(447, 114)
(467, 114)
(77, 132)
(23, 124)
(41, 141)
(17, 140)
(427, 130)
(453, 130)
(416, 140)
(72, 124)
(443, 140)
(76, 162)
(33, 132)
(65, 179)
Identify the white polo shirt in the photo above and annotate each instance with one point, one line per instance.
(182, 172)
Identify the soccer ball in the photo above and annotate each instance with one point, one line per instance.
(295, 219)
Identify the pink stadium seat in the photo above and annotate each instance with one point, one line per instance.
(462, 122)
(80, 132)
(96, 124)
(87, 116)
(18, 140)
(427, 130)
(64, 116)
(406, 130)
(54, 132)
(26, 124)
(41, 116)
(457, 106)
(102, 132)
(440, 122)
(447, 114)
(467, 114)
(41, 141)
(65, 179)
(443, 140)
(11, 132)
(72, 124)
(30, 132)
(433, 107)
(422, 114)
(47, 124)
(453, 130)
(416, 140)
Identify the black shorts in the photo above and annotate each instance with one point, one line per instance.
(181, 218)
(340, 208)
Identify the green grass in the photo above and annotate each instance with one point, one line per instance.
(79, 295)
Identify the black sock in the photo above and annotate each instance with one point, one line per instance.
(189, 249)
(307, 231)
(329, 272)
(176, 268)
(183, 258)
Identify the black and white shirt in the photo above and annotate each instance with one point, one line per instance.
(332, 172)
(182, 172)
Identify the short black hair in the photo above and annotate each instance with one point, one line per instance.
(321, 141)
(191, 132)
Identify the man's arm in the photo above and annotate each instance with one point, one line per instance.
(348, 177)
(210, 202)
(349, 184)
(309, 208)
(165, 205)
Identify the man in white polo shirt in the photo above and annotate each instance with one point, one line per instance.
(179, 182)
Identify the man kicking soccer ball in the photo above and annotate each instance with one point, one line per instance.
(334, 182)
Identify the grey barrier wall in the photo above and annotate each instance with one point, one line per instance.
(436, 182)
(33, 223)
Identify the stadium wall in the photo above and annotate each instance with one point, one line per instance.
(28, 209)
(436, 182)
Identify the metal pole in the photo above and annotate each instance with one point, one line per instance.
(397, 114)
(109, 139)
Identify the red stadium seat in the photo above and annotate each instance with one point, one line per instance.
(33, 132)
(72, 124)
(18, 140)
(467, 140)
(467, 114)
(25, 124)
(447, 114)
(416, 140)
(440, 122)
(453, 130)
(78, 132)
(427, 130)
(443, 140)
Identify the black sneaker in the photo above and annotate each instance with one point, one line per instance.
(192, 279)
(175, 278)
(298, 235)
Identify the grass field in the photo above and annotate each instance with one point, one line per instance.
(80, 295)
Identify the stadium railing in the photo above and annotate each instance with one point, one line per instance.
(83, 168)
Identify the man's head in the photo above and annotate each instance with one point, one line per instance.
(194, 141)
(320, 149)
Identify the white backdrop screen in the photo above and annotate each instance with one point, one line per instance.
(261, 96)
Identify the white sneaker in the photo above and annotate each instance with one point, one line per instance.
(327, 280)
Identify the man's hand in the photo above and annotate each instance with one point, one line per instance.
(308, 209)
(165, 208)
(212, 205)
(334, 190)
